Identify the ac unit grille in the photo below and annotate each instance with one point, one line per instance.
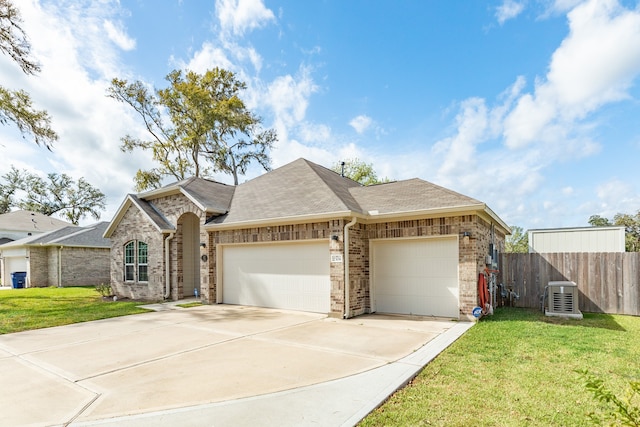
(561, 302)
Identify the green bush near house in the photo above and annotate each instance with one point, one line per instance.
(519, 368)
(34, 308)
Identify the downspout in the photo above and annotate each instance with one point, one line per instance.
(167, 265)
(346, 266)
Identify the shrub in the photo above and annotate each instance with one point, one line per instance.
(104, 289)
(624, 411)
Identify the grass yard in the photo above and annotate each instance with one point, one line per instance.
(517, 368)
(34, 308)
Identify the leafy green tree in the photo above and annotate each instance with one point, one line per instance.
(197, 125)
(16, 106)
(518, 241)
(58, 194)
(631, 225)
(12, 183)
(358, 171)
(598, 221)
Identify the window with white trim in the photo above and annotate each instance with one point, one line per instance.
(136, 267)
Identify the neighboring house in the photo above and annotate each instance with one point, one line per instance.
(69, 256)
(279, 241)
(577, 239)
(19, 224)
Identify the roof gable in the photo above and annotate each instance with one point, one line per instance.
(146, 208)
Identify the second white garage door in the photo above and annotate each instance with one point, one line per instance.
(288, 276)
(416, 276)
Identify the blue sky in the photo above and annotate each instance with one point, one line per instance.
(530, 106)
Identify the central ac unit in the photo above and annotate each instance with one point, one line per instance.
(563, 300)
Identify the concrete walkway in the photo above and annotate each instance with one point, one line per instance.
(214, 365)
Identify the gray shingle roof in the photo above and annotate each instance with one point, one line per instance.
(89, 236)
(30, 222)
(303, 188)
(297, 189)
(409, 195)
(158, 219)
(211, 196)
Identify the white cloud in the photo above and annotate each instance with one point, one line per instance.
(314, 133)
(119, 36)
(361, 123)
(288, 97)
(459, 150)
(595, 65)
(209, 56)
(239, 16)
(77, 64)
(509, 9)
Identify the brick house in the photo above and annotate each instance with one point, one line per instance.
(68, 256)
(279, 241)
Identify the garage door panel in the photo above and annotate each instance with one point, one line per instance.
(288, 276)
(416, 276)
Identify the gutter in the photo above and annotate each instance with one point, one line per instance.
(167, 265)
(347, 308)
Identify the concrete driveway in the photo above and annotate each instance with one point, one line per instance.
(213, 365)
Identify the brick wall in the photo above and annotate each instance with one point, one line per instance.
(472, 252)
(38, 274)
(359, 283)
(135, 226)
(80, 266)
(84, 266)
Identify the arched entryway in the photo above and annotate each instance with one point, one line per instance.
(189, 254)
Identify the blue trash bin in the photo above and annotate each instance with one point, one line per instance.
(18, 279)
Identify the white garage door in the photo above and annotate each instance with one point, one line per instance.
(289, 276)
(12, 265)
(416, 276)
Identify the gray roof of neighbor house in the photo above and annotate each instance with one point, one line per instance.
(28, 221)
(71, 236)
(304, 190)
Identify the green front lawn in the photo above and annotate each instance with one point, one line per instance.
(517, 368)
(34, 308)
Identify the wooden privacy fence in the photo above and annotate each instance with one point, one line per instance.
(608, 282)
